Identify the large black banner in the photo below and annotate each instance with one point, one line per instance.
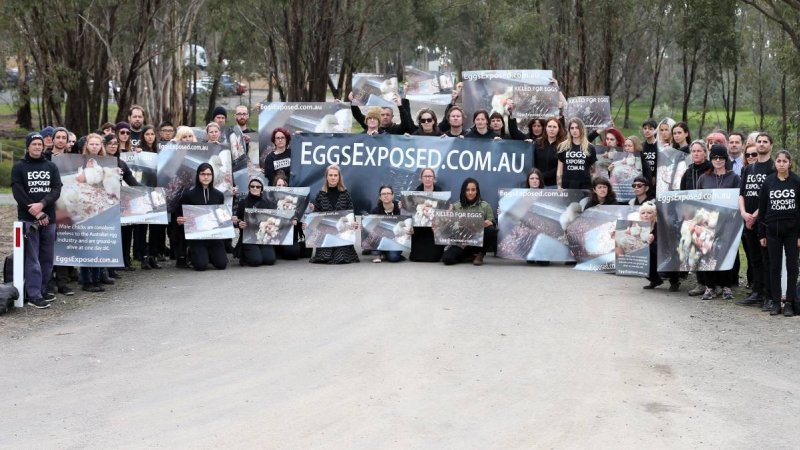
(367, 162)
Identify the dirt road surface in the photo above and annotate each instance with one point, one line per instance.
(396, 356)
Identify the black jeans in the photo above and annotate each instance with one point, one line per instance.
(782, 237)
(759, 260)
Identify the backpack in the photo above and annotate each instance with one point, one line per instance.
(8, 293)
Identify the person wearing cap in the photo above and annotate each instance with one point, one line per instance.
(642, 191)
(36, 185)
(720, 176)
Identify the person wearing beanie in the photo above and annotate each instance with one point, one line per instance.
(220, 116)
(47, 136)
(720, 176)
(36, 185)
(123, 132)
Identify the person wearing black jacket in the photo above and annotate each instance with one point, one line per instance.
(253, 255)
(281, 158)
(426, 119)
(753, 177)
(36, 185)
(204, 251)
(388, 207)
(481, 128)
(545, 153)
(719, 177)
(387, 124)
(700, 165)
(423, 248)
(778, 229)
(650, 147)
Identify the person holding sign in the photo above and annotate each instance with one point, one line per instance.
(470, 201)
(334, 196)
(203, 193)
(576, 158)
(423, 248)
(281, 158)
(373, 122)
(720, 176)
(481, 128)
(647, 213)
(602, 193)
(426, 119)
(294, 251)
(388, 207)
(778, 230)
(386, 117)
(253, 255)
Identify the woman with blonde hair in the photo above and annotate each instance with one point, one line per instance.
(334, 196)
(576, 158)
(184, 134)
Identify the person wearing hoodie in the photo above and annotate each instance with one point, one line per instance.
(60, 140)
(720, 176)
(253, 255)
(204, 251)
(36, 185)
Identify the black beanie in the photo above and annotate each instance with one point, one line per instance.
(219, 111)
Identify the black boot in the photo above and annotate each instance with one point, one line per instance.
(154, 263)
(768, 304)
(104, 278)
(788, 308)
(113, 273)
(145, 263)
(775, 308)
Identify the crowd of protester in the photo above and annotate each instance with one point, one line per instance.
(770, 235)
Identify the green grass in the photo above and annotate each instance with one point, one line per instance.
(746, 119)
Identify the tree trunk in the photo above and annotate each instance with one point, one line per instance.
(24, 113)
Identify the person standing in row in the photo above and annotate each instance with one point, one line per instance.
(778, 230)
(753, 177)
(36, 185)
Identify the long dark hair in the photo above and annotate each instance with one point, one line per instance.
(542, 141)
(542, 123)
(611, 197)
(685, 128)
(463, 197)
(538, 174)
(143, 143)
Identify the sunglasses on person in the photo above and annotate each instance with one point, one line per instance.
(124, 132)
(426, 120)
(751, 155)
(718, 158)
(638, 185)
(255, 186)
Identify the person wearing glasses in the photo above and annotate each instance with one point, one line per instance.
(641, 191)
(204, 251)
(281, 157)
(388, 207)
(426, 119)
(720, 176)
(166, 131)
(253, 255)
(123, 131)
